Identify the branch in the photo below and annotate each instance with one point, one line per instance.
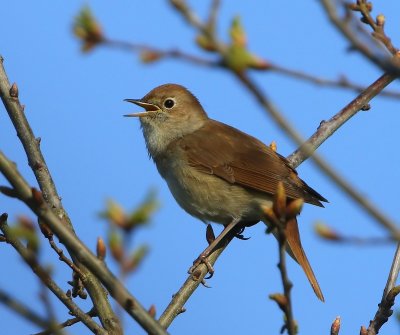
(9, 96)
(375, 54)
(287, 284)
(176, 306)
(23, 310)
(327, 128)
(389, 294)
(342, 82)
(31, 260)
(67, 323)
(326, 168)
(34, 200)
(151, 54)
(384, 311)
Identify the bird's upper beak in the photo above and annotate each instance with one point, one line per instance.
(150, 108)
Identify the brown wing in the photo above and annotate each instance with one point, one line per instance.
(241, 159)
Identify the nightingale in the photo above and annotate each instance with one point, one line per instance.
(215, 172)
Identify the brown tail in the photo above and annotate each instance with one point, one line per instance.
(296, 250)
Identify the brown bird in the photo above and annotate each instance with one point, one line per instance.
(216, 172)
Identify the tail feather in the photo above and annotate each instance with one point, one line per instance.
(295, 249)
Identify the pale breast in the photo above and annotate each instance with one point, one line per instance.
(209, 197)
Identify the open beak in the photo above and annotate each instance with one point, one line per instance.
(150, 108)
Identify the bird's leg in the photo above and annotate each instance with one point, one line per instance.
(203, 258)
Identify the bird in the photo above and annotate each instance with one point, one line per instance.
(216, 172)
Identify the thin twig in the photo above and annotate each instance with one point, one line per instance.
(349, 27)
(393, 273)
(287, 284)
(44, 297)
(156, 54)
(9, 96)
(176, 306)
(63, 258)
(33, 199)
(213, 16)
(67, 323)
(389, 294)
(23, 310)
(159, 53)
(31, 260)
(342, 82)
(327, 128)
(384, 311)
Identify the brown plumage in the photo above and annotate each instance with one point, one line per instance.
(239, 158)
(216, 172)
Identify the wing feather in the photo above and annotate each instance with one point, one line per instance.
(241, 159)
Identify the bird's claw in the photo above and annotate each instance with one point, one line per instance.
(202, 259)
(240, 236)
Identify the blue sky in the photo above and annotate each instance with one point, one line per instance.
(74, 102)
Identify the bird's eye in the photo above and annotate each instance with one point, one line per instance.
(169, 103)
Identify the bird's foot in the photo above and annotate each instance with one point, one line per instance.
(202, 259)
(240, 236)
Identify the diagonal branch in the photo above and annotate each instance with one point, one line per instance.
(31, 260)
(344, 185)
(327, 128)
(34, 200)
(9, 96)
(23, 310)
(176, 306)
(65, 324)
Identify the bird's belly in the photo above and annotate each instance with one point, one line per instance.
(211, 198)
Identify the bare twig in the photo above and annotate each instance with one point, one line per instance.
(9, 96)
(33, 199)
(153, 53)
(365, 44)
(327, 128)
(389, 294)
(150, 54)
(63, 258)
(31, 260)
(393, 273)
(391, 66)
(287, 284)
(342, 82)
(23, 310)
(384, 311)
(377, 25)
(179, 299)
(67, 323)
(44, 297)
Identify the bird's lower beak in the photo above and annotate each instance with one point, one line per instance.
(150, 108)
